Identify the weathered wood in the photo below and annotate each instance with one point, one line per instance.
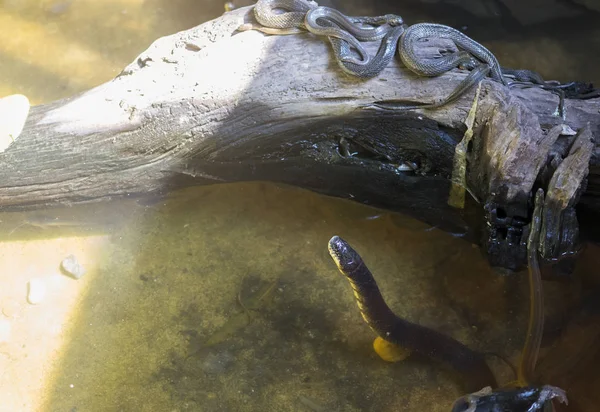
(224, 106)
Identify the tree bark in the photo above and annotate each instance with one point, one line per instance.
(211, 105)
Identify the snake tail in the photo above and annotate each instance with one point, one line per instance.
(401, 332)
(535, 329)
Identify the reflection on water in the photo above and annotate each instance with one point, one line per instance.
(224, 298)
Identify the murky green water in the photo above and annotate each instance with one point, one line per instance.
(224, 298)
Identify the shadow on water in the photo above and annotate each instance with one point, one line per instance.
(174, 274)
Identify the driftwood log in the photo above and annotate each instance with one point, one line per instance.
(214, 105)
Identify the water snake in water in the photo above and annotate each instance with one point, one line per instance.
(397, 331)
(522, 394)
(401, 332)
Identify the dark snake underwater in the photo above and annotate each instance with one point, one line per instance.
(401, 332)
(435, 345)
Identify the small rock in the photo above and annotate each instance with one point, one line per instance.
(567, 131)
(14, 110)
(4, 330)
(59, 7)
(72, 267)
(36, 291)
(217, 363)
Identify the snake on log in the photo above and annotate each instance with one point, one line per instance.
(346, 33)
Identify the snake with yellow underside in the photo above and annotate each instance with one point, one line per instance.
(399, 332)
(402, 332)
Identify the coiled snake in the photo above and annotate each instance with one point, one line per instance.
(346, 34)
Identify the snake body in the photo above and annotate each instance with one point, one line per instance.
(535, 329)
(345, 36)
(417, 32)
(526, 396)
(343, 32)
(398, 331)
(293, 17)
(325, 21)
(375, 65)
(349, 24)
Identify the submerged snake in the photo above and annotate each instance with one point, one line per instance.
(522, 394)
(519, 395)
(438, 346)
(401, 332)
(535, 328)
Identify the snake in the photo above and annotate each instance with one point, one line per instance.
(345, 37)
(535, 328)
(474, 77)
(398, 331)
(335, 24)
(343, 32)
(417, 32)
(346, 33)
(376, 64)
(264, 11)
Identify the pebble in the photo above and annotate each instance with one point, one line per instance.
(72, 267)
(14, 110)
(36, 291)
(4, 330)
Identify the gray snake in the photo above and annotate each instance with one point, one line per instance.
(346, 33)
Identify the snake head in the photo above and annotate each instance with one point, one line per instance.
(346, 258)
(394, 20)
